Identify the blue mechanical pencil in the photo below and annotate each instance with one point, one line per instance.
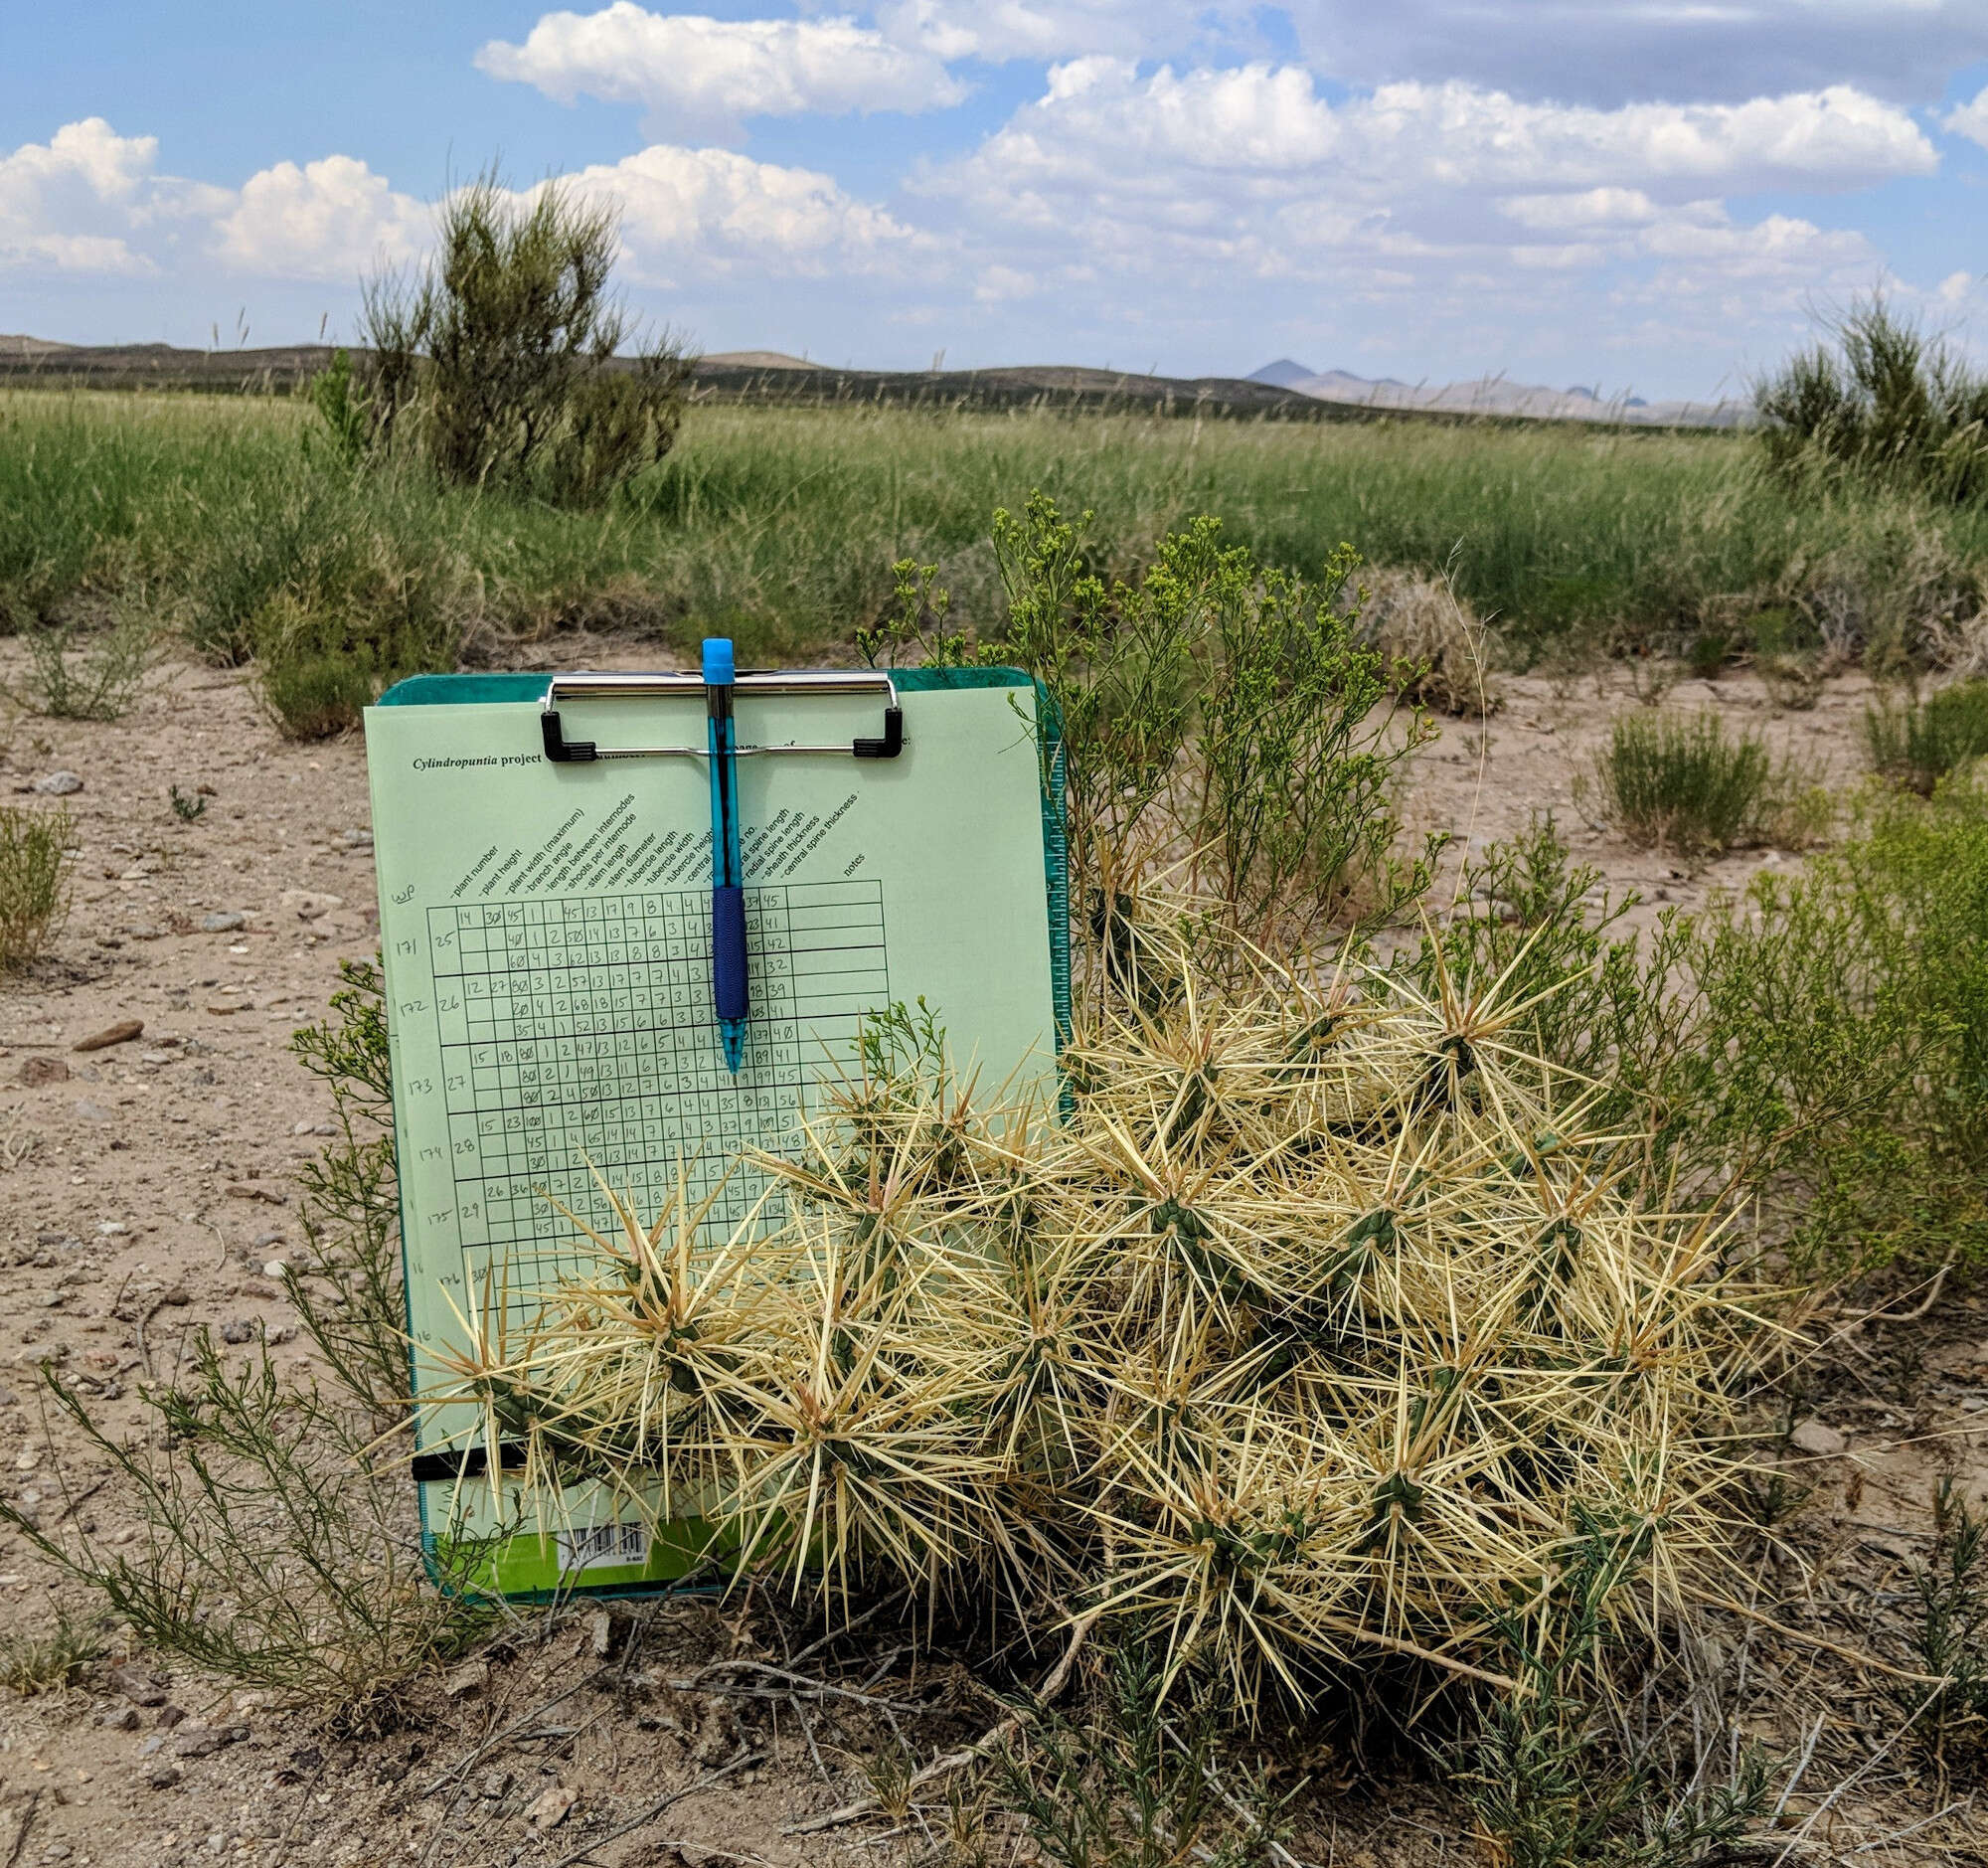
(728, 893)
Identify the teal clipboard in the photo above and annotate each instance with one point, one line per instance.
(585, 1554)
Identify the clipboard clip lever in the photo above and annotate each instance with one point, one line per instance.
(563, 751)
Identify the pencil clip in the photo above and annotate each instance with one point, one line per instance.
(563, 751)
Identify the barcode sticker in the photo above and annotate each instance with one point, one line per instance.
(602, 1546)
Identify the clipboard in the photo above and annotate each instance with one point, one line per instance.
(542, 847)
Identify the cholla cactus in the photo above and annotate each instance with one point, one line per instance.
(1315, 1327)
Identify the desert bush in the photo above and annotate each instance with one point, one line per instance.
(1218, 721)
(34, 882)
(322, 656)
(1686, 785)
(97, 679)
(1813, 1052)
(348, 1283)
(498, 360)
(275, 1550)
(280, 1544)
(1551, 1785)
(1919, 743)
(1134, 1784)
(1436, 649)
(1949, 1636)
(1880, 400)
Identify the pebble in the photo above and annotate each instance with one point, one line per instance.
(1817, 1438)
(163, 1775)
(92, 1112)
(226, 922)
(112, 1229)
(273, 1236)
(27, 1461)
(493, 1783)
(139, 1688)
(60, 785)
(124, 1719)
(122, 1032)
(37, 1071)
(308, 904)
(238, 1331)
(467, 1680)
(273, 1268)
(548, 1809)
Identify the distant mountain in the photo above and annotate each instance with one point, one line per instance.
(15, 344)
(1285, 373)
(1497, 395)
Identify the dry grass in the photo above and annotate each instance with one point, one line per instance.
(1315, 1332)
(1434, 641)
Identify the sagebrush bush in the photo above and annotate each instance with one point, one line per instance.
(1687, 785)
(34, 882)
(498, 362)
(1917, 743)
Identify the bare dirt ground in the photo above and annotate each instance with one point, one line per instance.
(145, 1187)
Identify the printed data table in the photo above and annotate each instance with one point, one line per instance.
(580, 1029)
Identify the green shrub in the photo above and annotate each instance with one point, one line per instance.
(323, 656)
(34, 882)
(1917, 743)
(1686, 785)
(97, 680)
(498, 363)
(1884, 402)
(1220, 719)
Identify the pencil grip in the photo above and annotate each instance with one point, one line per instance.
(728, 951)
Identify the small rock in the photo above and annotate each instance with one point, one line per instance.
(112, 1229)
(238, 1331)
(170, 1716)
(163, 1775)
(59, 784)
(124, 1719)
(225, 923)
(139, 1688)
(467, 1680)
(27, 1461)
(493, 1783)
(1817, 1438)
(179, 1297)
(308, 904)
(92, 1111)
(37, 1071)
(275, 1268)
(272, 1237)
(550, 1807)
(122, 1032)
(600, 1633)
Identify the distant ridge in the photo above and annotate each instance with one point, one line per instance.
(776, 378)
(1497, 395)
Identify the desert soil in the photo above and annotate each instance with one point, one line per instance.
(146, 1187)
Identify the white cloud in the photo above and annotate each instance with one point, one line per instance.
(685, 212)
(332, 219)
(67, 205)
(1573, 51)
(700, 76)
(1970, 120)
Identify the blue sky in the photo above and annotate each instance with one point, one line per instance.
(1655, 196)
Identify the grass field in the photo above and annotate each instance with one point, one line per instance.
(780, 525)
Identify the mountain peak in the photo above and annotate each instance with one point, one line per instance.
(1285, 373)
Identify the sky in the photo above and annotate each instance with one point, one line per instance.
(1648, 197)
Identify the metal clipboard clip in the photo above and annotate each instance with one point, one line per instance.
(563, 751)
